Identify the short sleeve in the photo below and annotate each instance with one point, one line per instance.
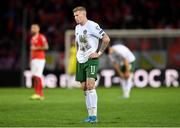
(76, 34)
(97, 31)
(43, 40)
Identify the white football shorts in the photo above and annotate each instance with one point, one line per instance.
(37, 67)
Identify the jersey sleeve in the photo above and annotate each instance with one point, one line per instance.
(75, 34)
(43, 40)
(76, 38)
(97, 31)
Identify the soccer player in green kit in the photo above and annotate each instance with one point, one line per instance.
(87, 36)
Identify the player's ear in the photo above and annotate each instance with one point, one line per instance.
(83, 12)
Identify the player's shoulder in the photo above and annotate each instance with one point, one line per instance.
(41, 35)
(77, 26)
(92, 23)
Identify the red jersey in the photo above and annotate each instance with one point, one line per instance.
(38, 41)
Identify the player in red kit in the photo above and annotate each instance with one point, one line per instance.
(38, 46)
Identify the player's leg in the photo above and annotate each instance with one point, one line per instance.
(81, 77)
(92, 68)
(84, 87)
(41, 65)
(34, 78)
(37, 67)
(128, 83)
(92, 98)
(126, 86)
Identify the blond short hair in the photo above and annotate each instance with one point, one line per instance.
(79, 8)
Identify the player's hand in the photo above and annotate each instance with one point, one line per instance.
(121, 75)
(94, 55)
(33, 48)
(126, 74)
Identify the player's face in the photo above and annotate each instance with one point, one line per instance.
(34, 29)
(79, 17)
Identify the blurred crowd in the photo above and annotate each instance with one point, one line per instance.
(55, 17)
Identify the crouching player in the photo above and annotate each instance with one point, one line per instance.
(123, 62)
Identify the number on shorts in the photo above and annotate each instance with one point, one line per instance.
(93, 69)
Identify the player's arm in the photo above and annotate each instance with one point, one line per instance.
(76, 45)
(99, 33)
(45, 45)
(117, 68)
(105, 43)
(127, 69)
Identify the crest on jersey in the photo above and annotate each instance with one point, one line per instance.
(85, 32)
(98, 28)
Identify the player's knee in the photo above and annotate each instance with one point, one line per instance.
(90, 86)
(90, 83)
(83, 86)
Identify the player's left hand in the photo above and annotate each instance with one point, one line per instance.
(94, 55)
(126, 74)
(33, 48)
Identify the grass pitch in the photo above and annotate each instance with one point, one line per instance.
(66, 108)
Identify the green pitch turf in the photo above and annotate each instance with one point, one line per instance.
(66, 108)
